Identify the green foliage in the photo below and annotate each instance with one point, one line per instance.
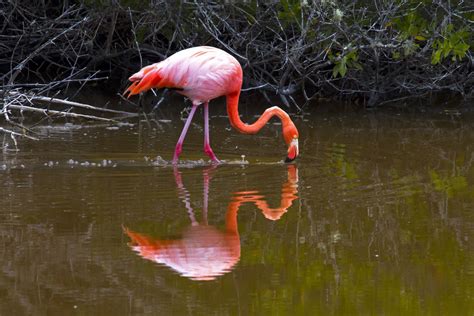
(350, 60)
(412, 26)
(290, 11)
(453, 43)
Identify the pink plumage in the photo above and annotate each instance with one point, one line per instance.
(199, 73)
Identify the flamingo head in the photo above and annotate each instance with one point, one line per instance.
(290, 134)
(148, 77)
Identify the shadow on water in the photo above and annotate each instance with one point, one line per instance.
(205, 252)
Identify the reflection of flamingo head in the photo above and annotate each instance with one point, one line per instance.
(289, 193)
(203, 253)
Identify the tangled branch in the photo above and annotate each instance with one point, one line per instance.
(295, 50)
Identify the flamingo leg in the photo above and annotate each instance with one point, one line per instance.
(179, 145)
(207, 141)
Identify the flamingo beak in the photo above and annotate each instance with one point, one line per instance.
(293, 150)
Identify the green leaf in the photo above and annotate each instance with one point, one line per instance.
(449, 28)
(446, 48)
(343, 69)
(340, 67)
(460, 50)
(436, 57)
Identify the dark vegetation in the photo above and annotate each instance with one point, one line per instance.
(374, 52)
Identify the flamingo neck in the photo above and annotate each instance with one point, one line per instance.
(236, 122)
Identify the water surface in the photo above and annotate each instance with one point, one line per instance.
(376, 217)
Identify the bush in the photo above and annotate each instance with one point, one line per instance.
(377, 51)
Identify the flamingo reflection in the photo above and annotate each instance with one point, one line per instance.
(205, 252)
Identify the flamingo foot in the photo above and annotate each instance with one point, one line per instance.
(177, 151)
(208, 151)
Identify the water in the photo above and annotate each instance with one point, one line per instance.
(376, 217)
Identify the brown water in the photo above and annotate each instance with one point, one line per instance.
(376, 217)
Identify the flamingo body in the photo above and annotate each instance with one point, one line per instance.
(199, 73)
(204, 73)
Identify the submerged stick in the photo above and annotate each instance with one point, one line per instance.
(4, 130)
(78, 105)
(66, 114)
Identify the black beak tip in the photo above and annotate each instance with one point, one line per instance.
(288, 159)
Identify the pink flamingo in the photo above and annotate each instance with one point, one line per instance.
(204, 73)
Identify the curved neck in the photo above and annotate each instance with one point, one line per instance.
(236, 122)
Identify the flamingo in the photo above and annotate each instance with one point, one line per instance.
(201, 74)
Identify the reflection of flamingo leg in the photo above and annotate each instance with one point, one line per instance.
(184, 195)
(205, 197)
(179, 144)
(207, 141)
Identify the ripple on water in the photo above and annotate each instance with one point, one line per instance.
(160, 162)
